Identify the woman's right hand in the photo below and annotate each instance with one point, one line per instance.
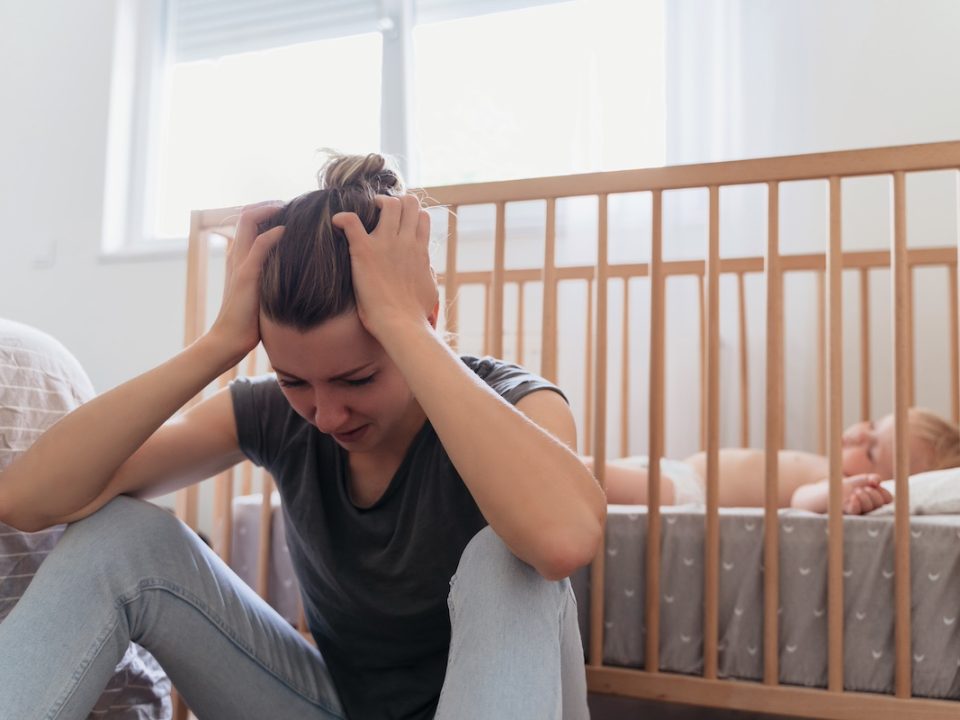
(238, 322)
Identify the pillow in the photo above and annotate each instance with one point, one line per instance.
(936, 492)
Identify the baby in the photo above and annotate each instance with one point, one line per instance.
(867, 460)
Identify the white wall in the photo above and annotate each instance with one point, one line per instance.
(118, 318)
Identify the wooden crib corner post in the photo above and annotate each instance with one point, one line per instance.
(901, 349)
(548, 328)
(712, 415)
(834, 432)
(656, 429)
(774, 360)
(599, 430)
(198, 253)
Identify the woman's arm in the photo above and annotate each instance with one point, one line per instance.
(518, 463)
(67, 471)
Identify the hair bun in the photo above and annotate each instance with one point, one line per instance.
(373, 173)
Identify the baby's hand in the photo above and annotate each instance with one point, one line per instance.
(863, 494)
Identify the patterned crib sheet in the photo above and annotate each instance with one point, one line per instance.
(868, 597)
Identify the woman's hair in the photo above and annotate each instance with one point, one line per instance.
(942, 436)
(306, 277)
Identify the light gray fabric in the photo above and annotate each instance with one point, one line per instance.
(868, 597)
(40, 382)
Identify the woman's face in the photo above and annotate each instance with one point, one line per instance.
(339, 378)
(868, 448)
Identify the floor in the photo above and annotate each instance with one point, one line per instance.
(611, 707)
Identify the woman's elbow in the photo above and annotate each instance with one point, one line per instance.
(571, 552)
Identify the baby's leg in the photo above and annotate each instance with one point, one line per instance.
(625, 482)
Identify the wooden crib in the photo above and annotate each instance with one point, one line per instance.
(499, 330)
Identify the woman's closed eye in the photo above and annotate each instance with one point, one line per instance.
(361, 381)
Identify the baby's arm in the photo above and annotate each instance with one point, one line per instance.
(861, 494)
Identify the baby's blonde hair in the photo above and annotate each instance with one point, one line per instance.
(942, 436)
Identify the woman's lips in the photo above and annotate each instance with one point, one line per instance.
(352, 435)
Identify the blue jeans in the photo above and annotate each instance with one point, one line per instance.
(133, 572)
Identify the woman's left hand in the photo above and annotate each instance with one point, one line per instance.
(392, 278)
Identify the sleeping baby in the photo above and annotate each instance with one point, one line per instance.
(866, 463)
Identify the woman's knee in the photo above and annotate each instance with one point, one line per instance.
(125, 526)
(487, 565)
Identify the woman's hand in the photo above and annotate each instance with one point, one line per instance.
(238, 322)
(392, 278)
(863, 494)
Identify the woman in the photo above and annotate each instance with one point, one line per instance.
(391, 455)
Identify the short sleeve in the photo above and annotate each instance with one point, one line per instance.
(509, 381)
(264, 418)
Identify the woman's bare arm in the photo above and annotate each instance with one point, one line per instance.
(67, 473)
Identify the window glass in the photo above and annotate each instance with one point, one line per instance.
(248, 127)
(556, 89)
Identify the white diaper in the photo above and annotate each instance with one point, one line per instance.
(688, 486)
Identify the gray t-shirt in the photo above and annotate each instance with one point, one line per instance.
(374, 580)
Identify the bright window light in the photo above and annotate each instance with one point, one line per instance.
(561, 88)
(248, 127)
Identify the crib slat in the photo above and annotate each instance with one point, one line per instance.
(712, 534)
(548, 328)
(865, 343)
(703, 356)
(223, 494)
(520, 287)
(911, 349)
(771, 529)
(657, 391)
(264, 548)
(198, 253)
(496, 289)
(901, 365)
(451, 283)
(744, 364)
(821, 366)
(588, 376)
(625, 372)
(600, 433)
(835, 429)
(954, 299)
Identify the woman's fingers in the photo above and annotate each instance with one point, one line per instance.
(423, 227)
(248, 226)
(409, 216)
(391, 209)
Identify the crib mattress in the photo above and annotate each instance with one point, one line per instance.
(868, 597)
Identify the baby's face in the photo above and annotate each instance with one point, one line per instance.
(868, 448)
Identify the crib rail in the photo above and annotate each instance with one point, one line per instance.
(833, 168)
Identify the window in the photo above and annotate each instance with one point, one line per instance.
(548, 90)
(219, 103)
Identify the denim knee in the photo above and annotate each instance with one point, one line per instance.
(487, 566)
(128, 529)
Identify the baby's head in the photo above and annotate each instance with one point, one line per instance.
(868, 445)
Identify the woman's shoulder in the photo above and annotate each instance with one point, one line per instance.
(509, 380)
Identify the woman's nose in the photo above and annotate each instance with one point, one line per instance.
(330, 417)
